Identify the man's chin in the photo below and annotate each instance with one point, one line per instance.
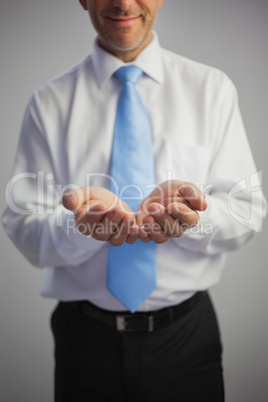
(121, 45)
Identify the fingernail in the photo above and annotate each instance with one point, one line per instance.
(135, 229)
(142, 231)
(151, 209)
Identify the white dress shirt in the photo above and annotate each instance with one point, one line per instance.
(65, 143)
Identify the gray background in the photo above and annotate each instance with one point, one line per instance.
(40, 39)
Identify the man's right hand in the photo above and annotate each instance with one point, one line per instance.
(100, 213)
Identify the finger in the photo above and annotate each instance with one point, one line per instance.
(144, 235)
(133, 235)
(155, 230)
(193, 195)
(187, 217)
(108, 225)
(170, 226)
(74, 199)
(121, 233)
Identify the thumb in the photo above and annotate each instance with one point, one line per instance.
(74, 199)
(194, 196)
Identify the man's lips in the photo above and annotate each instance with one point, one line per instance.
(123, 21)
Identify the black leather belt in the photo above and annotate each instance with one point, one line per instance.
(140, 321)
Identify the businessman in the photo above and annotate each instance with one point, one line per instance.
(127, 187)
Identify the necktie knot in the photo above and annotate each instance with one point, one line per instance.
(129, 74)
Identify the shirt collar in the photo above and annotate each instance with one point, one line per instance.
(149, 60)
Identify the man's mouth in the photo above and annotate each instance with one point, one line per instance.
(123, 21)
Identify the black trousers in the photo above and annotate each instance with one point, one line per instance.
(179, 363)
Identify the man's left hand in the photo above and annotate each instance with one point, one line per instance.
(169, 210)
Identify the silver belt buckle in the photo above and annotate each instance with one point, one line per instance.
(150, 323)
(122, 323)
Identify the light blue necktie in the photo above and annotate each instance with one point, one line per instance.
(132, 267)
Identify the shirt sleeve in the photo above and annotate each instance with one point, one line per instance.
(34, 218)
(236, 204)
